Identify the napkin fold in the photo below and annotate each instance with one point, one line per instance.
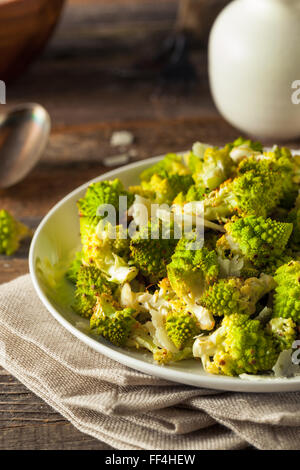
(126, 408)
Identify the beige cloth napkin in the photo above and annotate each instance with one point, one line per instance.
(123, 407)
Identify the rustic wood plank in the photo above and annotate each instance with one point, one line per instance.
(12, 268)
(26, 422)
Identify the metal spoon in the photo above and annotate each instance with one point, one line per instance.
(24, 133)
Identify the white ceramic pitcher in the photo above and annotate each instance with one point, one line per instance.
(254, 62)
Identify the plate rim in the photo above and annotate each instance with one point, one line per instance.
(262, 385)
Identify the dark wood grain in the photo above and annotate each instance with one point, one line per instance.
(24, 29)
(79, 80)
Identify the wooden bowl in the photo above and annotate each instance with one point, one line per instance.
(25, 27)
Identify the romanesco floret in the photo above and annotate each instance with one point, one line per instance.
(247, 143)
(190, 272)
(279, 161)
(116, 238)
(120, 327)
(275, 263)
(91, 243)
(229, 296)
(103, 251)
(164, 189)
(12, 232)
(240, 345)
(181, 325)
(250, 193)
(294, 218)
(151, 250)
(287, 292)
(194, 193)
(284, 332)
(257, 239)
(90, 284)
(171, 164)
(112, 322)
(102, 193)
(74, 267)
(195, 161)
(217, 166)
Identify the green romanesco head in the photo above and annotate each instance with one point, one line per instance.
(275, 263)
(217, 166)
(282, 161)
(284, 331)
(181, 325)
(229, 296)
(96, 238)
(225, 297)
(240, 345)
(287, 292)
(192, 270)
(165, 188)
(255, 192)
(120, 327)
(171, 164)
(12, 233)
(195, 162)
(100, 194)
(294, 218)
(247, 143)
(250, 193)
(104, 252)
(163, 356)
(258, 239)
(115, 238)
(89, 285)
(195, 193)
(279, 166)
(111, 322)
(74, 267)
(151, 250)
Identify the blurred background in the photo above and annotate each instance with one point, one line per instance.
(110, 60)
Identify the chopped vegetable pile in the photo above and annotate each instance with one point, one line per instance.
(227, 294)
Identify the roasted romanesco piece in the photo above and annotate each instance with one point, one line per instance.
(74, 267)
(89, 285)
(284, 331)
(171, 164)
(181, 325)
(294, 218)
(151, 250)
(256, 190)
(107, 248)
(287, 292)
(190, 272)
(100, 194)
(216, 167)
(240, 345)
(257, 239)
(229, 296)
(163, 189)
(12, 232)
(120, 327)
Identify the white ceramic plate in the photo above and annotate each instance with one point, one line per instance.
(53, 247)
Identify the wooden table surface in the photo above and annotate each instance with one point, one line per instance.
(79, 80)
